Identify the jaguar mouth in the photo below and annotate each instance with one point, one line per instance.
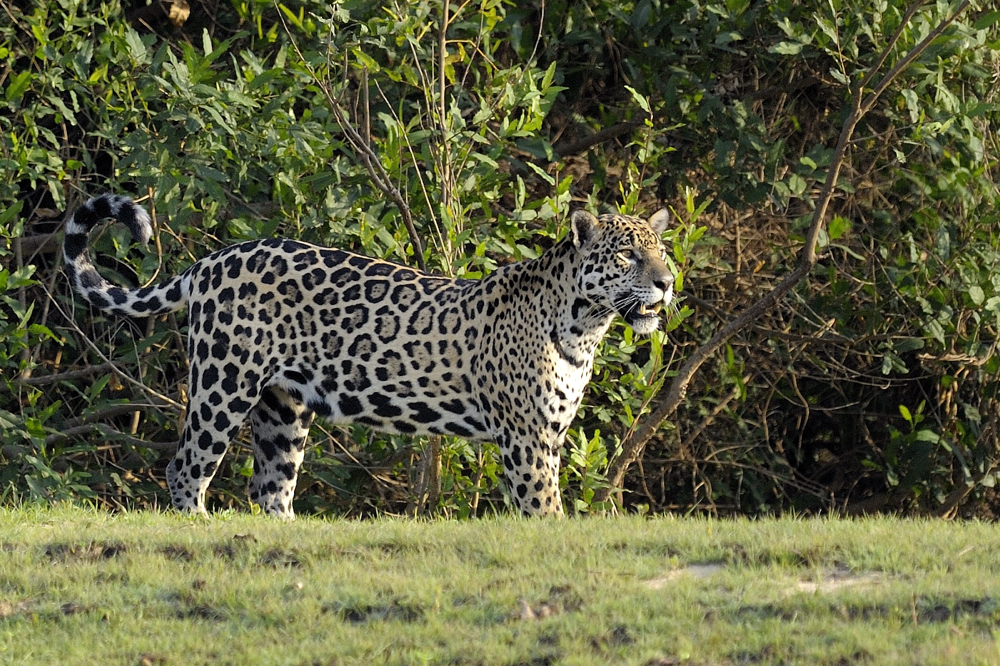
(641, 314)
(644, 317)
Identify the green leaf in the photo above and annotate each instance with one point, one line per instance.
(787, 48)
(908, 345)
(796, 184)
(935, 330)
(206, 42)
(136, 48)
(21, 277)
(42, 331)
(906, 413)
(7, 215)
(541, 173)
(838, 227)
(17, 87)
(727, 37)
(986, 20)
(912, 104)
(977, 295)
(639, 99)
(641, 14)
(550, 74)
(839, 76)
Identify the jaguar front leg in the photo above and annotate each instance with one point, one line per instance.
(531, 469)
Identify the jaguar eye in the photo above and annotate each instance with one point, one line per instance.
(631, 255)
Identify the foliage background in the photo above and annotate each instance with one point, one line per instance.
(873, 387)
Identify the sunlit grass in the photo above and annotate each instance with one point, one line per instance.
(84, 587)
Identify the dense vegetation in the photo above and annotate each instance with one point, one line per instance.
(459, 137)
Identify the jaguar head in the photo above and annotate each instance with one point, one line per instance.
(624, 265)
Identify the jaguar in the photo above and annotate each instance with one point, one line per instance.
(282, 331)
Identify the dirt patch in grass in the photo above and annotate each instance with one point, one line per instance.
(930, 611)
(45, 611)
(73, 608)
(174, 552)
(696, 571)
(618, 636)
(561, 599)
(925, 610)
(14, 608)
(394, 610)
(644, 549)
(94, 550)
(201, 612)
(830, 581)
(546, 660)
(837, 579)
(278, 557)
(235, 547)
(240, 548)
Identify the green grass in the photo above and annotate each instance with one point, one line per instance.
(84, 587)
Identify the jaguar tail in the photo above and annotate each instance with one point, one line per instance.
(156, 299)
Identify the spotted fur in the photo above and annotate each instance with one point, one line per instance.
(281, 331)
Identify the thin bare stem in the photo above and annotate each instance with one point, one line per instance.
(448, 207)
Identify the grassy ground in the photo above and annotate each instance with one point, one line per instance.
(83, 587)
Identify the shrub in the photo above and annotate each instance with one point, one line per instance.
(872, 387)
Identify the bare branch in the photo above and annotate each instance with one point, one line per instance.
(108, 432)
(155, 395)
(110, 411)
(606, 134)
(70, 375)
(36, 244)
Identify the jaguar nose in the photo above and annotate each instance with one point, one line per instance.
(663, 280)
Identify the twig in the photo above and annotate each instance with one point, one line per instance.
(23, 302)
(36, 244)
(443, 104)
(606, 134)
(156, 395)
(707, 421)
(70, 375)
(108, 432)
(108, 412)
(428, 486)
(416, 163)
(632, 448)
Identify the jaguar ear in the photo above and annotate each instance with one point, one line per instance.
(583, 227)
(659, 220)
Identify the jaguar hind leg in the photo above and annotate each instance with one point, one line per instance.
(208, 428)
(280, 425)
